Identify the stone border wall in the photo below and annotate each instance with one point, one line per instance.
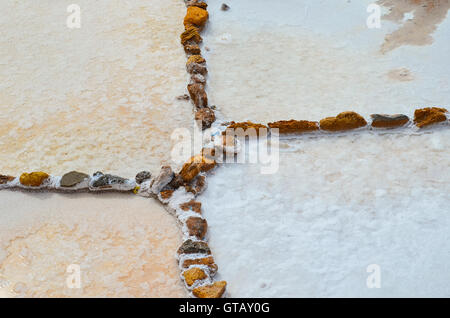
(178, 191)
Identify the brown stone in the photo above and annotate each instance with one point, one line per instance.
(209, 152)
(194, 166)
(389, 121)
(5, 179)
(236, 128)
(206, 116)
(176, 182)
(190, 36)
(207, 261)
(215, 290)
(196, 68)
(195, 16)
(197, 227)
(198, 95)
(194, 274)
(192, 206)
(192, 49)
(197, 185)
(428, 116)
(194, 247)
(166, 194)
(343, 121)
(34, 179)
(294, 126)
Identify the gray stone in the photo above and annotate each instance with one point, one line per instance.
(194, 247)
(225, 7)
(73, 178)
(6, 179)
(165, 176)
(143, 176)
(107, 180)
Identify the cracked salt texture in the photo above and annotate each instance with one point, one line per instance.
(336, 205)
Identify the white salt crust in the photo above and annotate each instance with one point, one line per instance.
(336, 205)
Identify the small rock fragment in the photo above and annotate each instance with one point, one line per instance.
(192, 49)
(194, 166)
(5, 179)
(207, 261)
(198, 95)
(225, 7)
(191, 36)
(165, 176)
(194, 247)
(194, 274)
(205, 117)
(34, 179)
(215, 290)
(388, 121)
(344, 121)
(183, 97)
(197, 186)
(197, 227)
(106, 181)
(196, 16)
(166, 194)
(143, 176)
(428, 116)
(73, 178)
(192, 206)
(294, 126)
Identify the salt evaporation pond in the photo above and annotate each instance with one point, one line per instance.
(335, 206)
(125, 246)
(308, 59)
(102, 97)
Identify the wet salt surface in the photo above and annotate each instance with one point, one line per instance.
(102, 97)
(335, 206)
(125, 246)
(303, 59)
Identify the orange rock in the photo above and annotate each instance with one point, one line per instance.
(34, 179)
(197, 227)
(5, 179)
(388, 121)
(198, 95)
(429, 116)
(207, 261)
(245, 126)
(215, 290)
(343, 121)
(194, 166)
(192, 206)
(190, 36)
(196, 59)
(294, 126)
(167, 194)
(195, 16)
(194, 274)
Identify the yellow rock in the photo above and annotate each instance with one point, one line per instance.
(195, 59)
(33, 179)
(195, 16)
(215, 290)
(190, 35)
(343, 121)
(194, 274)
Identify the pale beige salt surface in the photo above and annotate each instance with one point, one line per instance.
(125, 246)
(102, 97)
